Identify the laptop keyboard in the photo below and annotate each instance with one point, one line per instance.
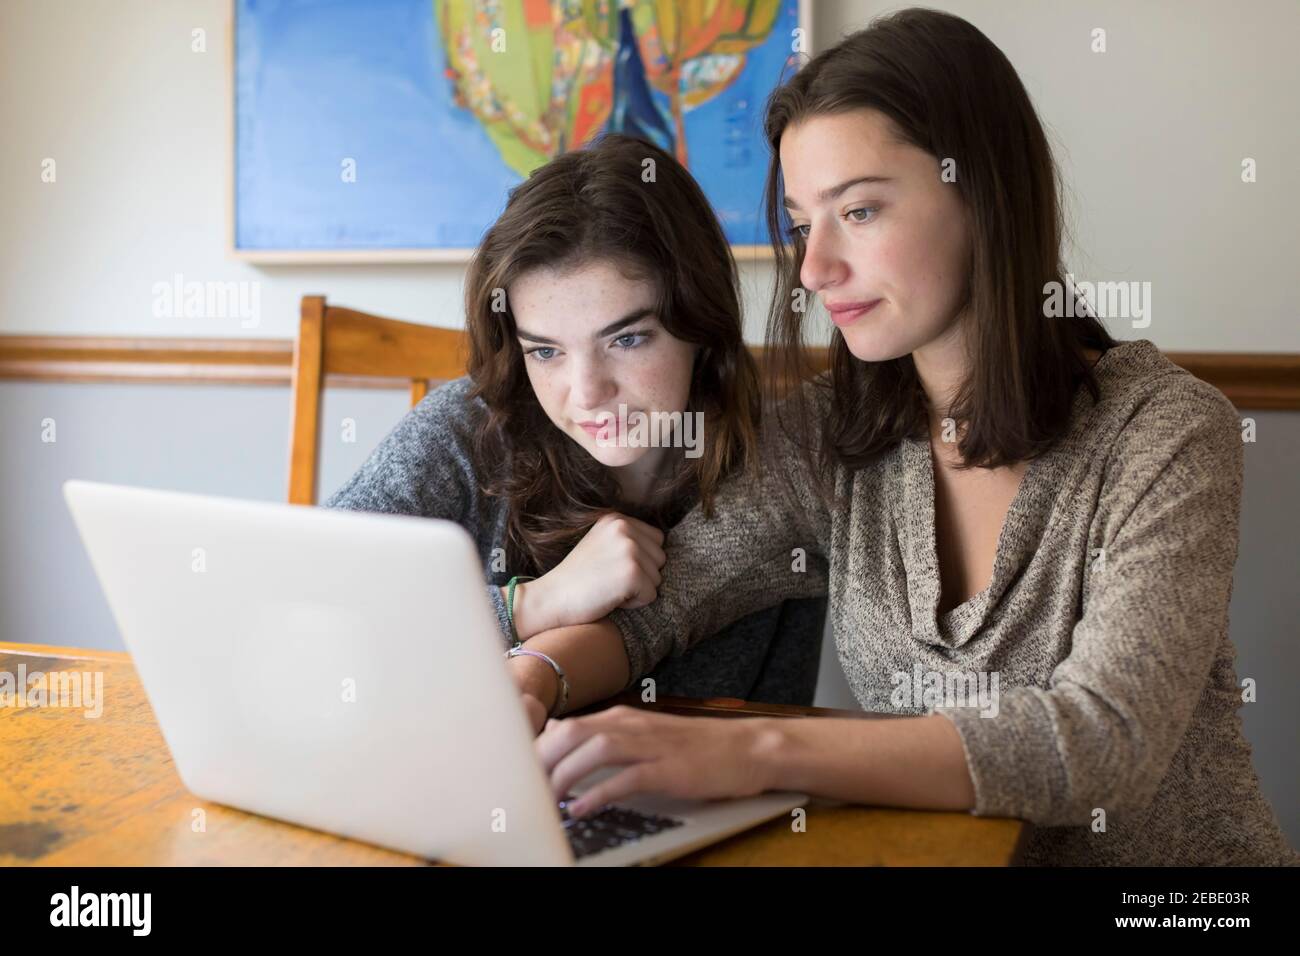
(609, 827)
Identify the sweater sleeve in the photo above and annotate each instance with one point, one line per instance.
(763, 545)
(1155, 609)
(424, 467)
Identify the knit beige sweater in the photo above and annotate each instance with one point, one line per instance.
(1092, 681)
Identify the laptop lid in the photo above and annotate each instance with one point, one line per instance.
(335, 669)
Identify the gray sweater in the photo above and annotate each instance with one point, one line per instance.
(425, 466)
(1116, 727)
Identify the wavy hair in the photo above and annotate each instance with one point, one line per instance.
(596, 204)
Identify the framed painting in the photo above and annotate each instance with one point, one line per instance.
(392, 130)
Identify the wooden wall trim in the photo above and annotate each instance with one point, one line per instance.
(1252, 380)
(84, 358)
(1255, 380)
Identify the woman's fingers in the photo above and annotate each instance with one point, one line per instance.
(646, 532)
(649, 569)
(641, 580)
(632, 550)
(561, 737)
(637, 778)
(696, 758)
(602, 749)
(655, 553)
(646, 536)
(651, 541)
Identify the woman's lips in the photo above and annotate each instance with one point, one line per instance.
(594, 429)
(845, 317)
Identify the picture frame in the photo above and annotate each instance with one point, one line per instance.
(282, 210)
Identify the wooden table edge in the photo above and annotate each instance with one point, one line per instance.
(716, 706)
(64, 653)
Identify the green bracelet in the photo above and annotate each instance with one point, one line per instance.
(510, 606)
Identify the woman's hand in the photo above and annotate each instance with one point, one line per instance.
(616, 564)
(688, 757)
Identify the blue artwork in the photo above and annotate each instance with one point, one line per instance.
(369, 125)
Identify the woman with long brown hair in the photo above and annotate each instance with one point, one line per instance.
(1027, 530)
(609, 390)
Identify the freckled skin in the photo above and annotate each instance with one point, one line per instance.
(583, 376)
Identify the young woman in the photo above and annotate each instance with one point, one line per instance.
(596, 292)
(1027, 530)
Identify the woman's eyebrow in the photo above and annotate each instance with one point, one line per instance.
(634, 316)
(834, 192)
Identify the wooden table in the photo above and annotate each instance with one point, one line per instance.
(104, 792)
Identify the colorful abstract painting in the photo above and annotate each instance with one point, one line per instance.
(400, 125)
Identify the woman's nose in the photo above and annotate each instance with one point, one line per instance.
(592, 386)
(823, 263)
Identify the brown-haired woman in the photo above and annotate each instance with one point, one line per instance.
(1027, 530)
(609, 391)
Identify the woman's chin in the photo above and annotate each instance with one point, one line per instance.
(614, 456)
(869, 345)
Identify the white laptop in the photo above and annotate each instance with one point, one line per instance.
(345, 671)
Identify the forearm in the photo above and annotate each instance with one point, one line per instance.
(593, 659)
(898, 762)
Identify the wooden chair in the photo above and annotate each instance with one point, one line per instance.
(343, 342)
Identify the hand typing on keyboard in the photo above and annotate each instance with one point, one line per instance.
(609, 826)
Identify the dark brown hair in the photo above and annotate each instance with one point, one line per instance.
(597, 204)
(947, 89)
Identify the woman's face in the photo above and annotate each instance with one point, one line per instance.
(897, 242)
(591, 344)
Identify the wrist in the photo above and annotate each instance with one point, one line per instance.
(769, 747)
(536, 678)
(531, 610)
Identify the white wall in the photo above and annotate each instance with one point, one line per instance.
(1150, 136)
(1154, 131)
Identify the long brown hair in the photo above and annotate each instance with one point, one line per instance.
(947, 89)
(600, 203)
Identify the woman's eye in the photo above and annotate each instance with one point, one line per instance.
(867, 214)
(630, 340)
(537, 353)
